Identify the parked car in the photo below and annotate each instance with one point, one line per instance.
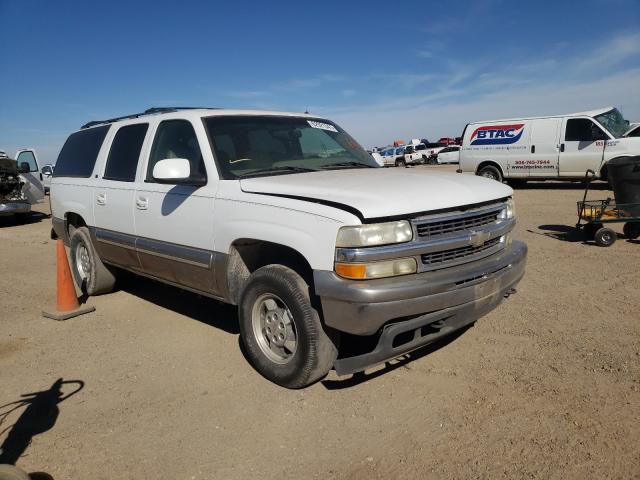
(393, 156)
(634, 131)
(47, 173)
(449, 154)
(316, 250)
(432, 150)
(447, 141)
(20, 185)
(415, 154)
(562, 146)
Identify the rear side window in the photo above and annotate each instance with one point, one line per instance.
(125, 152)
(79, 153)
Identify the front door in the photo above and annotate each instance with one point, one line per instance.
(35, 190)
(174, 223)
(545, 147)
(581, 148)
(113, 197)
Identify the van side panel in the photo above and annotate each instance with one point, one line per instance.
(505, 144)
(545, 147)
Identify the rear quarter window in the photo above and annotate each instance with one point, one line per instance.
(79, 153)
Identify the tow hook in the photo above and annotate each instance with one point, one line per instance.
(511, 291)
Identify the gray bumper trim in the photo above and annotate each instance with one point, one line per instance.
(363, 307)
(9, 208)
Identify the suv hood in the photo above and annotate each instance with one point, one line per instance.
(382, 192)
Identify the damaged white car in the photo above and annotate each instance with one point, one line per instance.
(19, 186)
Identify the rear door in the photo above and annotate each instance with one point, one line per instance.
(544, 147)
(113, 197)
(174, 223)
(35, 190)
(581, 148)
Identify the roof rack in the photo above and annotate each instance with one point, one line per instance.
(148, 111)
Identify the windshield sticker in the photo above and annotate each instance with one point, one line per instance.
(323, 126)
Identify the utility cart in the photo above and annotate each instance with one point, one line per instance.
(594, 217)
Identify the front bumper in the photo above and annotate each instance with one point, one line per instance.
(9, 208)
(455, 297)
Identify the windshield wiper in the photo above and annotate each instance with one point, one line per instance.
(347, 164)
(282, 169)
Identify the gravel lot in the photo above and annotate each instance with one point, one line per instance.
(546, 386)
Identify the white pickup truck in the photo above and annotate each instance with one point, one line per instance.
(333, 261)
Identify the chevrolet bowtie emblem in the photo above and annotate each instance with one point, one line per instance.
(478, 238)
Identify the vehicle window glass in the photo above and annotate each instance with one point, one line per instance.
(262, 145)
(634, 133)
(420, 147)
(582, 130)
(445, 150)
(125, 152)
(400, 151)
(176, 139)
(614, 122)
(79, 153)
(29, 158)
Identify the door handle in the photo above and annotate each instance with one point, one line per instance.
(562, 147)
(101, 199)
(142, 203)
(533, 149)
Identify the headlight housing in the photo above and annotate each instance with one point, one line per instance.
(509, 211)
(370, 270)
(374, 234)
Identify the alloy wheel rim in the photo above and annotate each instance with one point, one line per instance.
(83, 264)
(274, 328)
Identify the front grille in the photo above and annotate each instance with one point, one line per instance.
(430, 229)
(432, 259)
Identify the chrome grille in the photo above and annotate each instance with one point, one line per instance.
(445, 256)
(442, 227)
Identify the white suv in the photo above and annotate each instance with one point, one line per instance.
(286, 216)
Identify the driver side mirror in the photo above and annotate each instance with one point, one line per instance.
(24, 167)
(175, 171)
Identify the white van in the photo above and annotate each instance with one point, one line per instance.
(563, 146)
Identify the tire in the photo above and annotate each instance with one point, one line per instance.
(424, 159)
(489, 171)
(276, 294)
(89, 273)
(631, 230)
(605, 237)
(401, 163)
(433, 161)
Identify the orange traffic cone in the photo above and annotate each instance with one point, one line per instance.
(67, 302)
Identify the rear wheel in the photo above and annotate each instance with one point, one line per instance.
(281, 331)
(631, 230)
(605, 237)
(89, 273)
(489, 171)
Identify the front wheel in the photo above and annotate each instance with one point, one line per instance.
(89, 273)
(281, 331)
(605, 237)
(491, 172)
(401, 163)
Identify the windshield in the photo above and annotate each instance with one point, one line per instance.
(270, 145)
(614, 122)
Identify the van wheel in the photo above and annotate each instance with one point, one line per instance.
(401, 163)
(491, 172)
(281, 331)
(89, 273)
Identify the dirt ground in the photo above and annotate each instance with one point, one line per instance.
(546, 386)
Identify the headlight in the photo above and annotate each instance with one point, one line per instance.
(388, 268)
(374, 234)
(509, 211)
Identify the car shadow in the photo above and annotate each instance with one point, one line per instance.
(403, 361)
(564, 233)
(198, 307)
(18, 220)
(41, 411)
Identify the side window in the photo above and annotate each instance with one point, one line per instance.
(583, 130)
(176, 139)
(125, 152)
(28, 158)
(79, 153)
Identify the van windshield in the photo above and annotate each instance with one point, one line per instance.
(252, 146)
(614, 122)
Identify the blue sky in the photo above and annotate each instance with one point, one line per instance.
(383, 70)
